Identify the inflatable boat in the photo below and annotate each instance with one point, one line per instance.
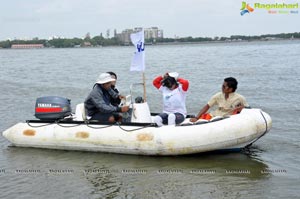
(138, 135)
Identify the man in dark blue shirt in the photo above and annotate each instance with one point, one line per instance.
(98, 103)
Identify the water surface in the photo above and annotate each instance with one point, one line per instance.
(269, 78)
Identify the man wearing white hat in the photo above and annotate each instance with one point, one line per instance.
(98, 103)
(174, 91)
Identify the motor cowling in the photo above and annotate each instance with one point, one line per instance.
(52, 108)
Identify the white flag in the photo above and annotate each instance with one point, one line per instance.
(138, 61)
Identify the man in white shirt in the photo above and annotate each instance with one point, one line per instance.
(174, 91)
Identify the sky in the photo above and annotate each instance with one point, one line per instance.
(26, 19)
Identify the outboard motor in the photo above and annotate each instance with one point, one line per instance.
(52, 108)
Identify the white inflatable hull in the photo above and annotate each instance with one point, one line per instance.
(235, 132)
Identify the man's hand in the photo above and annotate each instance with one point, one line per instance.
(124, 109)
(122, 97)
(165, 75)
(193, 119)
(238, 109)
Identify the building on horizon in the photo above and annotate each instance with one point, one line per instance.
(26, 46)
(150, 33)
(153, 33)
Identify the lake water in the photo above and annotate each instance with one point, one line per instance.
(269, 78)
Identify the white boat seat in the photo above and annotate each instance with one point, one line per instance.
(80, 112)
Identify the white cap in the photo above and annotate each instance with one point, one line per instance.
(174, 75)
(104, 78)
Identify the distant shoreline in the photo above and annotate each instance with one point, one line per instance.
(174, 43)
(221, 42)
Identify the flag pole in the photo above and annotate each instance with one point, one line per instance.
(144, 85)
(138, 61)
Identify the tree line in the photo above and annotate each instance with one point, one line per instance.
(65, 43)
(101, 41)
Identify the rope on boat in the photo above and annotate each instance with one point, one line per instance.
(265, 123)
(50, 123)
(88, 124)
(100, 127)
(263, 133)
(28, 123)
(146, 126)
(59, 124)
